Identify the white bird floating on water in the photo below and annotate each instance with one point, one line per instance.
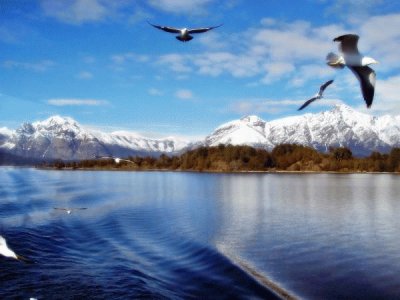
(318, 95)
(7, 252)
(70, 210)
(184, 33)
(356, 62)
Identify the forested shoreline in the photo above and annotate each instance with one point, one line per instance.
(228, 158)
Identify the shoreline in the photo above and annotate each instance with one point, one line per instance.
(206, 171)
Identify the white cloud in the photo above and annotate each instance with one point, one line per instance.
(276, 106)
(387, 96)
(40, 66)
(129, 56)
(176, 62)
(294, 51)
(380, 38)
(76, 102)
(309, 72)
(181, 6)
(271, 53)
(184, 94)
(81, 11)
(277, 70)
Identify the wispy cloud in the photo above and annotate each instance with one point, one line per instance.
(181, 6)
(387, 96)
(155, 92)
(129, 56)
(85, 75)
(353, 10)
(273, 51)
(77, 12)
(120, 61)
(40, 66)
(184, 94)
(275, 106)
(76, 102)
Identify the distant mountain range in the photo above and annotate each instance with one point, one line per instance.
(63, 138)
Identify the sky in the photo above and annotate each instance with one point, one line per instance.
(101, 63)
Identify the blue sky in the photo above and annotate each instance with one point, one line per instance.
(101, 63)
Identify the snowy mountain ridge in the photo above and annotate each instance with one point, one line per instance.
(342, 126)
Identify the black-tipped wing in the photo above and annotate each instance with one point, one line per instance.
(60, 208)
(324, 86)
(308, 102)
(201, 30)
(348, 43)
(166, 28)
(367, 77)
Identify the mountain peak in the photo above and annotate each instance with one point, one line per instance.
(251, 119)
(57, 120)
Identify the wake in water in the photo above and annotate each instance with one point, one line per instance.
(99, 267)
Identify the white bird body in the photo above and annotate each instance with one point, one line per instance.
(184, 33)
(358, 60)
(5, 251)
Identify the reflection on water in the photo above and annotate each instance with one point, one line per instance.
(180, 235)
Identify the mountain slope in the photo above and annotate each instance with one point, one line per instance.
(63, 138)
(340, 127)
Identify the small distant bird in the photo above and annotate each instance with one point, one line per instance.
(117, 160)
(356, 62)
(318, 95)
(70, 210)
(7, 252)
(184, 33)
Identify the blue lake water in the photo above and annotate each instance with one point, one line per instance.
(184, 235)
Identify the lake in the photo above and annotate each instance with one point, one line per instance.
(181, 235)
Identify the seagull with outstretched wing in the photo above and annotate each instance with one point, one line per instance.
(70, 210)
(319, 95)
(184, 34)
(357, 63)
(7, 252)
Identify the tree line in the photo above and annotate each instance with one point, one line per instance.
(229, 158)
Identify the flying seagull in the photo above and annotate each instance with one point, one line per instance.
(70, 210)
(356, 62)
(117, 160)
(184, 33)
(318, 95)
(7, 252)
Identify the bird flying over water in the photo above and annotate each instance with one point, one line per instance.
(184, 33)
(7, 252)
(117, 160)
(318, 95)
(356, 62)
(70, 210)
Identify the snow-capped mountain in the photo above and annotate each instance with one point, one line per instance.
(62, 137)
(340, 127)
